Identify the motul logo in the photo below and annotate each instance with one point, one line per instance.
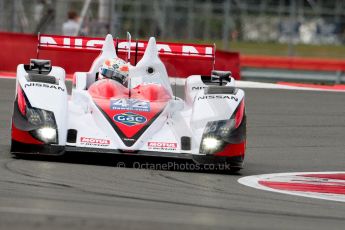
(96, 44)
(162, 145)
(95, 141)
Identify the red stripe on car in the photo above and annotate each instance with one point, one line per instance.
(232, 150)
(24, 136)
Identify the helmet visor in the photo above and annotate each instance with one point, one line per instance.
(107, 72)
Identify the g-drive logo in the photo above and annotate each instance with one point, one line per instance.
(130, 119)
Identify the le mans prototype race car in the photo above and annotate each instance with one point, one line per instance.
(144, 118)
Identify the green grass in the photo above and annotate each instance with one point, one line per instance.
(277, 49)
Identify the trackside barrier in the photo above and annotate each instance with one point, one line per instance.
(292, 63)
(77, 54)
(268, 68)
(276, 75)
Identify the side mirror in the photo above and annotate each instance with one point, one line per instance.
(220, 76)
(40, 65)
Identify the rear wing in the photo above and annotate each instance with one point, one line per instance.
(191, 58)
(56, 42)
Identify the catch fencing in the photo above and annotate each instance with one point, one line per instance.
(225, 21)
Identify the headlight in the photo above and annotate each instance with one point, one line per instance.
(210, 143)
(39, 117)
(46, 134)
(34, 116)
(45, 122)
(221, 128)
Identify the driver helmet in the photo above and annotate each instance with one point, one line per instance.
(116, 69)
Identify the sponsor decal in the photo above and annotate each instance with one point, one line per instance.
(91, 43)
(162, 145)
(320, 185)
(128, 140)
(89, 141)
(44, 85)
(208, 97)
(130, 104)
(130, 119)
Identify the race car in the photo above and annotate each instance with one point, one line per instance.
(142, 118)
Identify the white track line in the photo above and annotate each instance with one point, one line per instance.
(259, 85)
(252, 181)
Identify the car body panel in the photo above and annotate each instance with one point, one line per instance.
(142, 118)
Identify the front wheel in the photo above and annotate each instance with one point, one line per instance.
(20, 149)
(226, 164)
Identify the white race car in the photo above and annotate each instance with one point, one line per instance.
(144, 118)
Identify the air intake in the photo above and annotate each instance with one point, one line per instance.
(185, 143)
(72, 136)
(220, 90)
(32, 77)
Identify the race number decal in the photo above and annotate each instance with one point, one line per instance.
(130, 104)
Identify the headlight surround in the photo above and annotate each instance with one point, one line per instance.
(40, 123)
(44, 120)
(40, 117)
(221, 129)
(224, 132)
(215, 135)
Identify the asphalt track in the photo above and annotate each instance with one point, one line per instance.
(288, 131)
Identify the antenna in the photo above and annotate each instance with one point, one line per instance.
(129, 37)
(117, 46)
(136, 52)
(38, 45)
(175, 88)
(214, 56)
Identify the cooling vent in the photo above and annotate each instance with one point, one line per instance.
(220, 90)
(72, 136)
(185, 143)
(41, 78)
